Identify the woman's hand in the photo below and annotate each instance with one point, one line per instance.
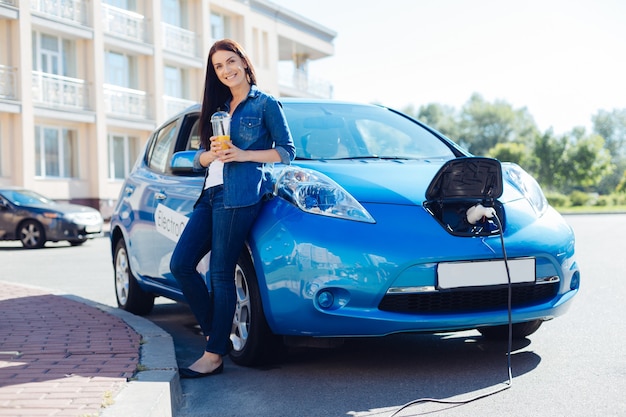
(232, 154)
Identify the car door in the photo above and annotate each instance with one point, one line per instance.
(7, 219)
(172, 197)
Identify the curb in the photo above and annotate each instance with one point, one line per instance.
(155, 391)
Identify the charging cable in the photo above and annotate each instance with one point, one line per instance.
(474, 214)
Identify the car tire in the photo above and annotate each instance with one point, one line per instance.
(253, 341)
(129, 295)
(77, 242)
(32, 234)
(519, 330)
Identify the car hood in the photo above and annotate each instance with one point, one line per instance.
(393, 181)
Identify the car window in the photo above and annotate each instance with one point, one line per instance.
(193, 143)
(340, 131)
(160, 152)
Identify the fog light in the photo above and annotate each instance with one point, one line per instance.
(325, 299)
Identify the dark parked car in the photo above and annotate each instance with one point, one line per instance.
(34, 219)
(381, 225)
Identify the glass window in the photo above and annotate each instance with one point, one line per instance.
(55, 152)
(54, 55)
(120, 70)
(161, 147)
(173, 82)
(123, 150)
(220, 26)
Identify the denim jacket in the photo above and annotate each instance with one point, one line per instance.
(257, 123)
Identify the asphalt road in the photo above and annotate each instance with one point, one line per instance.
(574, 365)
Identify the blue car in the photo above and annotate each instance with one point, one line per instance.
(381, 225)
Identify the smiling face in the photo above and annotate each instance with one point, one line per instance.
(230, 68)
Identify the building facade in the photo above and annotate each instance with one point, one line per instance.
(83, 83)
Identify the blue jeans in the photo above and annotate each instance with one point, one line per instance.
(223, 231)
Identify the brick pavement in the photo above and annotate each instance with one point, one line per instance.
(60, 357)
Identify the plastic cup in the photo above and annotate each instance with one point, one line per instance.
(221, 128)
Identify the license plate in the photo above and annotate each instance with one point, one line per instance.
(92, 229)
(483, 273)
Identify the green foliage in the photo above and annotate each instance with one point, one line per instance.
(557, 200)
(483, 125)
(579, 198)
(575, 161)
(510, 152)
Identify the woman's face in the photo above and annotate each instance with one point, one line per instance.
(230, 68)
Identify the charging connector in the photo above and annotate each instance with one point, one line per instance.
(478, 212)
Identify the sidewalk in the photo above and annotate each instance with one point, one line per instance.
(64, 356)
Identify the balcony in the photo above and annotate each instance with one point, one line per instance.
(174, 105)
(124, 24)
(179, 41)
(8, 82)
(57, 91)
(126, 102)
(73, 11)
(297, 83)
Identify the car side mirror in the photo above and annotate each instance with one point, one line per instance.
(182, 164)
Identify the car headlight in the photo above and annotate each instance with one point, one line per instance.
(313, 192)
(527, 185)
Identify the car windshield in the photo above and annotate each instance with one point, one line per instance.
(25, 197)
(349, 131)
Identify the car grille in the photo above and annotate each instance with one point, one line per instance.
(470, 299)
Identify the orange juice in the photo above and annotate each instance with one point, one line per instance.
(223, 140)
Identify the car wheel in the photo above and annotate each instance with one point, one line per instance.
(253, 342)
(77, 242)
(519, 330)
(32, 234)
(130, 296)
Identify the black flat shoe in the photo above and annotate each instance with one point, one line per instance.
(186, 373)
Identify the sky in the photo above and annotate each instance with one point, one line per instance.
(562, 60)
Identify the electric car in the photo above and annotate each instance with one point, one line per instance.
(380, 225)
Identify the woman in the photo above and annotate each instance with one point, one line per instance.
(237, 181)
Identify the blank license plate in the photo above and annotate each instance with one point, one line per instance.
(482, 273)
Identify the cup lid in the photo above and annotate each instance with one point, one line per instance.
(220, 115)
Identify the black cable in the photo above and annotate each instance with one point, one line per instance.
(509, 383)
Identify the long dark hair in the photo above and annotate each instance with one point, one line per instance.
(216, 93)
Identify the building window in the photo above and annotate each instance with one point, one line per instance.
(175, 81)
(174, 12)
(121, 70)
(55, 152)
(53, 55)
(122, 155)
(220, 26)
(122, 4)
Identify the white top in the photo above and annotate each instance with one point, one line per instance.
(216, 174)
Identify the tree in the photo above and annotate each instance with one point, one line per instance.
(440, 117)
(484, 124)
(546, 164)
(587, 161)
(511, 152)
(612, 127)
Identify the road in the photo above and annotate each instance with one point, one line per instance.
(574, 365)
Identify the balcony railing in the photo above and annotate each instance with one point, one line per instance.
(124, 23)
(69, 10)
(126, 102)
(59, 91)
(175, 105)
(8, 82)
(299, 80)
(179, 40)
